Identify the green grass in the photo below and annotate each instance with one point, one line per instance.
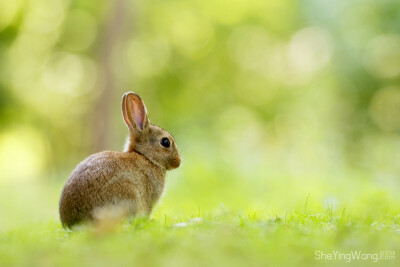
(211, 218)
(220, 239)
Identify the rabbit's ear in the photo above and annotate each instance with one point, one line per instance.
(134, 112)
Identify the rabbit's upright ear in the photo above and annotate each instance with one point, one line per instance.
(134, 112)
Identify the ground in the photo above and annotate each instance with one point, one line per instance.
(212, 221)
(222, 239)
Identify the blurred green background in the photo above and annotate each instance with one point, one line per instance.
(269, 101)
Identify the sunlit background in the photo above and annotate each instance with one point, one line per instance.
(270, 102)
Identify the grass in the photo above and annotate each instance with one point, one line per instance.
(220, 239)
(278, 221)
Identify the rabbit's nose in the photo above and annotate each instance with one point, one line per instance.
(175, 162)
(178, 159)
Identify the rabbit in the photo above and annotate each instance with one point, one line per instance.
(131, 181)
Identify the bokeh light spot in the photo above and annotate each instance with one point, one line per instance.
(45, 16)
(147, 58)
(309, 50)
(382, 57)
(385, 108)
(242, 134)
(64, 73)
(250, 47)
(226, 12)
(22, 154)
(193, 35)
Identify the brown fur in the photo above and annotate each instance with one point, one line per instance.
(131, 181)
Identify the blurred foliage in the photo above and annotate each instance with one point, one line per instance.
(268, 100)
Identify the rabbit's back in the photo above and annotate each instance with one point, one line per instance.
(127, 181)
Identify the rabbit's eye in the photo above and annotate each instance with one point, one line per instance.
(165, 142)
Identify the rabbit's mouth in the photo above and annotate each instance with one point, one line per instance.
(174, 163)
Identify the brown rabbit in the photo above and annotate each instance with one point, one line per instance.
(131, 181)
